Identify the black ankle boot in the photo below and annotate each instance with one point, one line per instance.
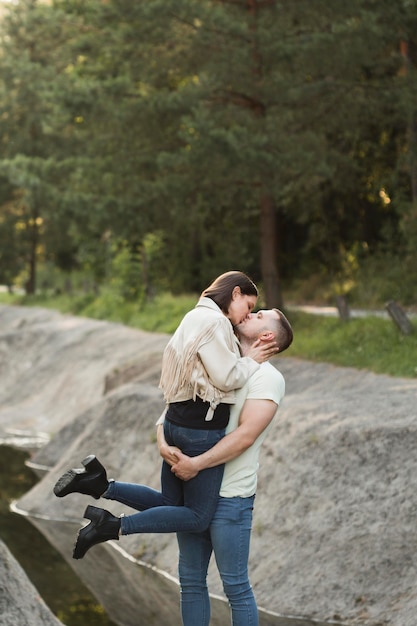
(103, 527)
(91, 481)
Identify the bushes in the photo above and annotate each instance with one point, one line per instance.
(386, 277)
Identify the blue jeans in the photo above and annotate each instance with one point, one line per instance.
(180, 505)
(229, 537)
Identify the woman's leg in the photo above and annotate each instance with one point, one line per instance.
(230, 532)
(139, 497)
(199, 494)
(194, 558)
(195, 515)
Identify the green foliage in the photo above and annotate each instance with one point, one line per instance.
(365, 343)
(110, 305)
(385, 277)
(162, 314)
(126, 273)
(370, 342)
(368, 280)
(271, 137)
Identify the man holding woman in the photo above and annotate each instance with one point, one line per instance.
(228, 535)
(202, 367)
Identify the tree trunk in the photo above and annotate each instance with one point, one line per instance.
(399, 317)
(33, 246)
(408, 52)
(269, 245)
(268, 216)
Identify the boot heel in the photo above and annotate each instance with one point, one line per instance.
(92, 513)
(103, 527)
(92, 480)
(92, 464)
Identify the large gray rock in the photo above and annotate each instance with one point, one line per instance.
(53, 367)
(20, 603)
(334, 523)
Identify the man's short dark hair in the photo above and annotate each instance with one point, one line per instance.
(283, 331)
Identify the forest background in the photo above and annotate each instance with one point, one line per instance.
(147, 146)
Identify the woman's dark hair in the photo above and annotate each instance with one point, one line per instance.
(221, 288)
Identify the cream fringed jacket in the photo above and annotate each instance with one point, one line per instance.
(203, 359)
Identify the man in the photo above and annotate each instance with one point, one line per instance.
(229, 532)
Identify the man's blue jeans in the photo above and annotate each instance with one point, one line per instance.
(229, 537)
(180, 505)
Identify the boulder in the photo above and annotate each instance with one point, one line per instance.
(20, 603)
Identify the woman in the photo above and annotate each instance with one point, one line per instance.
(201, 368)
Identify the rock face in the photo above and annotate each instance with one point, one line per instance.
(334, 530)
(53, 367)
(20, 604)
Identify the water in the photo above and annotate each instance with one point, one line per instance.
(56, 582)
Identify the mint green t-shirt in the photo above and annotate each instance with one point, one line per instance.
(240, 474)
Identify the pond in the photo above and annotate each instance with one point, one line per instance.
(59, 586)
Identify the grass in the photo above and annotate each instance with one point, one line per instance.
(370, 343)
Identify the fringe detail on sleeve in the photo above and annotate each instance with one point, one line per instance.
(178, 368)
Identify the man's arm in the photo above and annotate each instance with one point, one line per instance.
(254, 418)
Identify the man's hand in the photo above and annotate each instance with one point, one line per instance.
(168, 453)
(185, 467)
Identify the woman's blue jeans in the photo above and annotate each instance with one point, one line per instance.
(180, 505)
(229, 537)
